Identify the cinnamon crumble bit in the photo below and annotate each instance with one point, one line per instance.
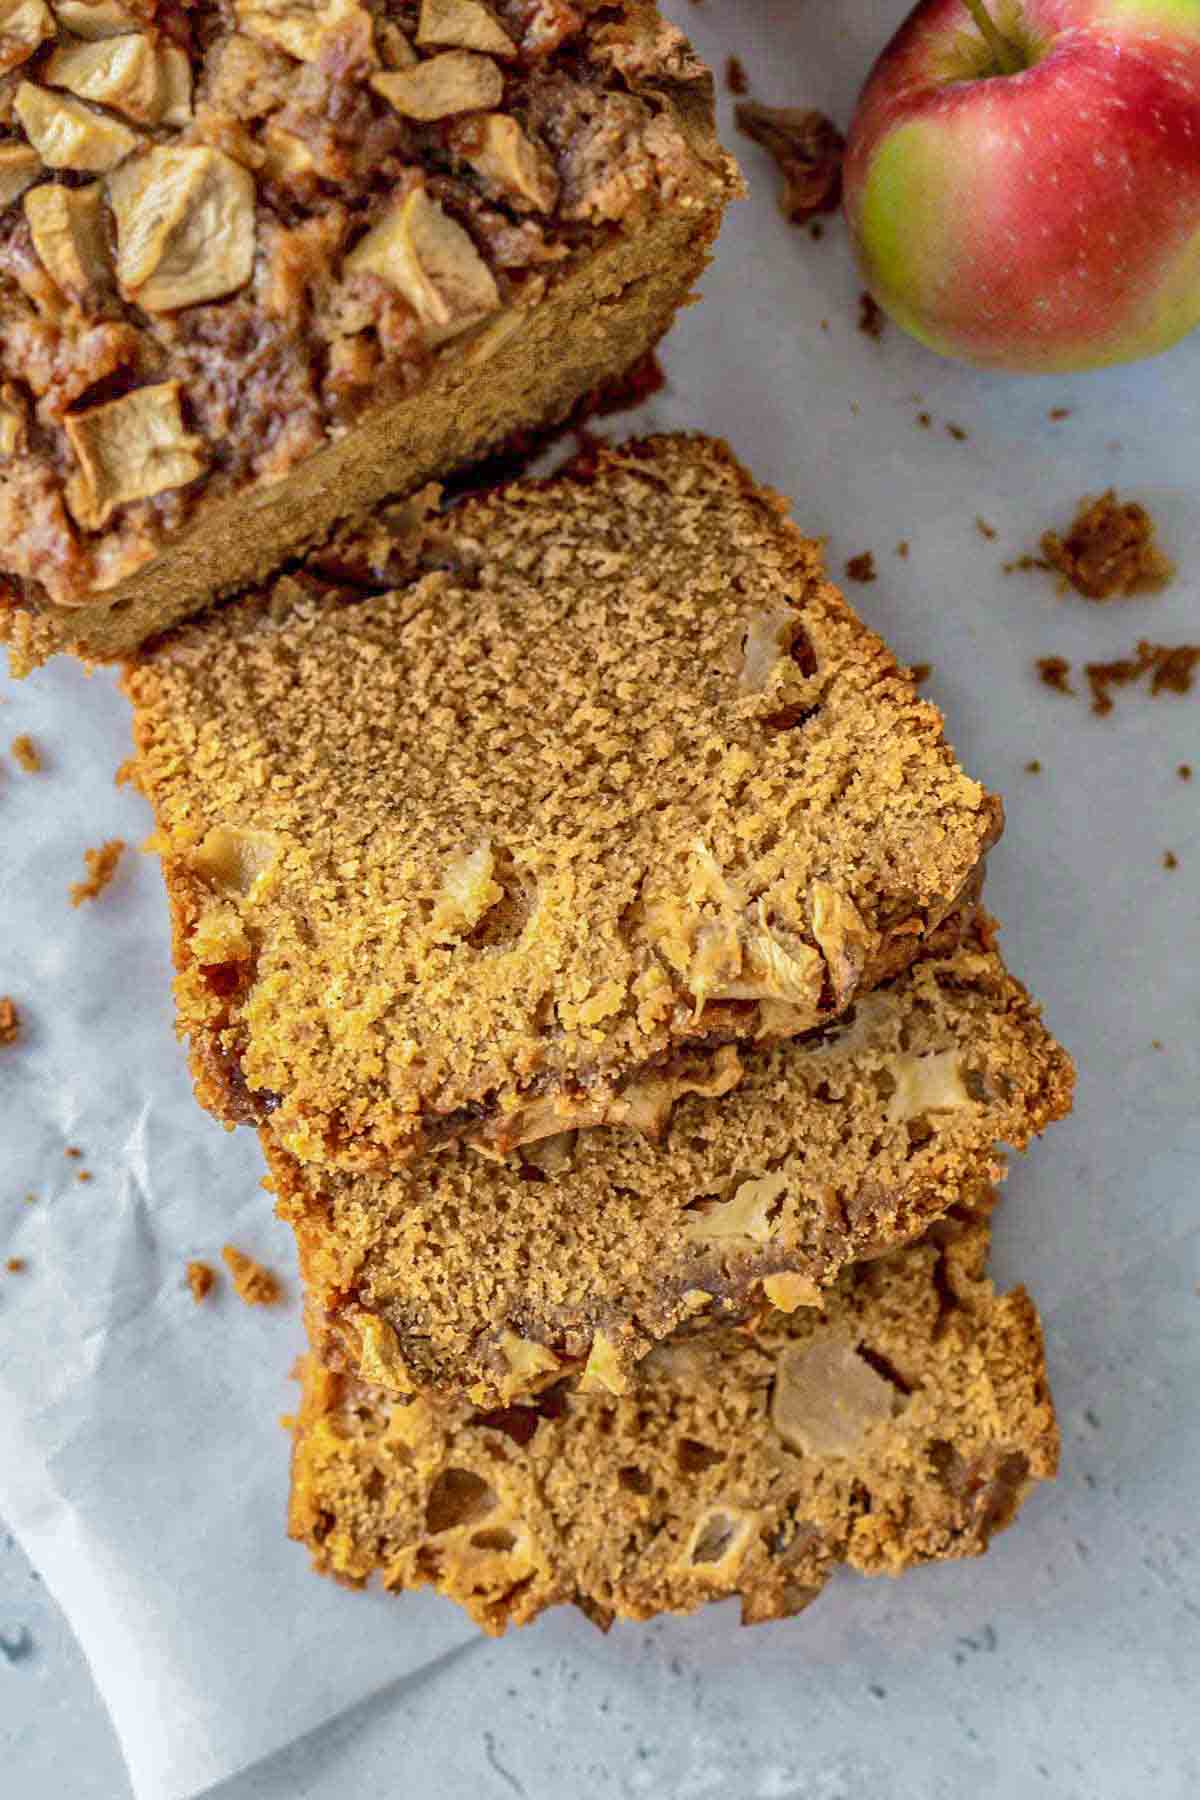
(902, 549)
(959, 433)
(1184, 771)
(735, 76)
(1170, 860)
(807, 148)
(201, 1279)
(1053, 671)
(84, 1175)
(101, 866)
(924, 420)
(1033, 766)
(16, 1265)
(26, 754)
(861, 567)
(1109, 553)
(871, 317)
(253, 1283)
(10, 1020)
(984, 529)
(920, 673)
(1171, 668)
(1059, 412)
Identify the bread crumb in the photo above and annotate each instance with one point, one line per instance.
(861, 567)
(201, 1278)
(1033, 766)
(1059, 412)
(1109, 553)
(735, 76)
(126, 775)
(1053, 671)
(924, 420)
(253, 1283)
(807, 148)
(983, 528)
(1171, 668)
(959, 433)
(10, 1020)
(16, 1265)
(73, 1151)
(101, 867)
(26, 753)
(1184, 771)
(920, 672)
(902, 549)
(1024, 563)
(1170, 860)
(1156, 1043)
(871, 317)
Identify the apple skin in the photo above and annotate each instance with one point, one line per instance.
(1042, 221)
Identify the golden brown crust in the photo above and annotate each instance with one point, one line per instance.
(370, 302)
(608, 766)
(470, 1275)
(904, 1424)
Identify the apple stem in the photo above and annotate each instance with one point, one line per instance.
(1006, 53)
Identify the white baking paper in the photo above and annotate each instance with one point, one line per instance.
(141, 1462)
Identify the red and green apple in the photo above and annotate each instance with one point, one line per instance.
(1022, 179)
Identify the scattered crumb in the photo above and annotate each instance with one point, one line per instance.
(1053, 670)
(1171, 668)
(1156, 1043)
(735, 76)
(31, 1199)
(824, 324)
(84, 1175)
(1059, 412)
(10, 1021)
(816, 231)
(871, 318)
(920, 673)
(807, 148)
(984, 529)
(1024, 563)
(201, 1279)
(252, 1283)
(27, 754)
(16, 1265)
(1109, 553)
(902, 548)
(101, 867)
(861, 567)
(959, 433)
(1170, 860)
(1184, 771)
(924, 420)
(1033, 766)
(73, 1151)
(126, 775)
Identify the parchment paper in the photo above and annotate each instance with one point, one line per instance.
(141, 1459)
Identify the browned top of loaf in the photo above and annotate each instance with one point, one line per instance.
(902, 1425)
(619, 769)
(228, 228)
(497, 1278)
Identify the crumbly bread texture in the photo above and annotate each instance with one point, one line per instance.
(607, 767)
(904, 1424)
(263, 263)
(580, 1252)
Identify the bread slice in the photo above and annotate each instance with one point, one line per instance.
(310, 257)
(903, 1424)
(465, 829)
(580, 1252)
